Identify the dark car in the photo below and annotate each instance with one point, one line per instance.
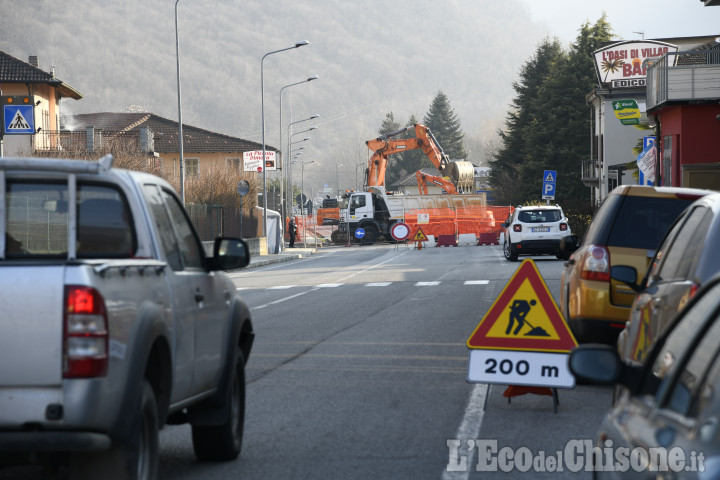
(687, 258)
(626, 230)
(666, 424)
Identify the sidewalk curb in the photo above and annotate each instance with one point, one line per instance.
(285, 256)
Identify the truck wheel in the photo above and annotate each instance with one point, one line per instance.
(224, 442)
(336, 237)
(371, 235)
(135, 460)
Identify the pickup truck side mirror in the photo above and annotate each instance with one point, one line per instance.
(229, 254)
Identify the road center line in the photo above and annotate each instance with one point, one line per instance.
(280, 300)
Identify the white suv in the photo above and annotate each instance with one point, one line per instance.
(535, 230)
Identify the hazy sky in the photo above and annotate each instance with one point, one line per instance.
(657, 18)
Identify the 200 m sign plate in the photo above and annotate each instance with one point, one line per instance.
(507, 367)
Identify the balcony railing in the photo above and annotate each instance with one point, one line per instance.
(52, 141)
(590, 173)
(684, 76)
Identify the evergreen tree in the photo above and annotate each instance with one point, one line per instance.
(525, 114)
(389, 125)
(444, 124)
(549, 126)
(560, 140)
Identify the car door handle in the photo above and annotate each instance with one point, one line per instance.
(199, 297)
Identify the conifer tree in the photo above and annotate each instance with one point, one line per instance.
(525, 113)
(444, 124)
(560, 142)
(390, 125)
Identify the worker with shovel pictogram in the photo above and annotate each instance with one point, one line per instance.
(519, 311)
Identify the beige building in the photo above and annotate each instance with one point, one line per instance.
(26, 83)
(204, 151)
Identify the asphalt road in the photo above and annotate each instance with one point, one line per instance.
(359, 371)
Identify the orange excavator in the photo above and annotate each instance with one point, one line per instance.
(459, 174)
(423, 178)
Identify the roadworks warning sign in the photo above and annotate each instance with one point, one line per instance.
(524, 317)
(523, 338)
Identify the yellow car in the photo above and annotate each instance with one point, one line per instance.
(626, 230)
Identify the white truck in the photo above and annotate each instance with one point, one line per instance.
(376, 212)
(113, 322)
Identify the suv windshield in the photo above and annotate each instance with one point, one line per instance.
(539, 216)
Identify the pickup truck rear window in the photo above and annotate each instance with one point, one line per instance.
(37, 221)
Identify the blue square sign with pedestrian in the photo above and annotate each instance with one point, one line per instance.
(549, 183)
(18, 119)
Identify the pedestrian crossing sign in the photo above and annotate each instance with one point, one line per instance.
(523, 317)
(18, 119)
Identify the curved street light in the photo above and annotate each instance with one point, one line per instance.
(289, 174)
(283, 211)
(262, 114)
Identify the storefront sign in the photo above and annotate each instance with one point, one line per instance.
(627, 111)
(624, 64)
(253, 160)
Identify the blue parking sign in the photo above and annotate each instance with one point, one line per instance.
(549, 183)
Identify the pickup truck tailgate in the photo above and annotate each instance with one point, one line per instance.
(31, 314)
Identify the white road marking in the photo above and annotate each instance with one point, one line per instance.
(427, 284)
(281, 287)
(328, 285)
(378, 284)
(470, 429)
(477, 282)
(280, 300)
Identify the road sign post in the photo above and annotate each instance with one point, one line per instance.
(549, 183)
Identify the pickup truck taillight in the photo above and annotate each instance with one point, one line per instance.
(596, 264)
(85, 334)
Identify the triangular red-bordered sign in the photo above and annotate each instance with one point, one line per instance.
(524, 317)
(420, 236)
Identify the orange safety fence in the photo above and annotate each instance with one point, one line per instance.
(463, 220)
(329, 213)
(477, 220)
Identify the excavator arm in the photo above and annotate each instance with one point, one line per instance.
(423, 178)
(385, 146)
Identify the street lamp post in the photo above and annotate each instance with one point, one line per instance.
(180, 131)
(302, 196)
(262, 114)
(282, 195)
(290, 202)
(337, 178)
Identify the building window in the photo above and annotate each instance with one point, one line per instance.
(192, 166)
(233, 164)
(667, 160)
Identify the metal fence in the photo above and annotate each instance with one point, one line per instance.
(212, 221)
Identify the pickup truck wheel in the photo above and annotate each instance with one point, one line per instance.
(224, 442)
(135, 460)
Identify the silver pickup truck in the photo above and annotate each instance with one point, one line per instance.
(113, 322)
